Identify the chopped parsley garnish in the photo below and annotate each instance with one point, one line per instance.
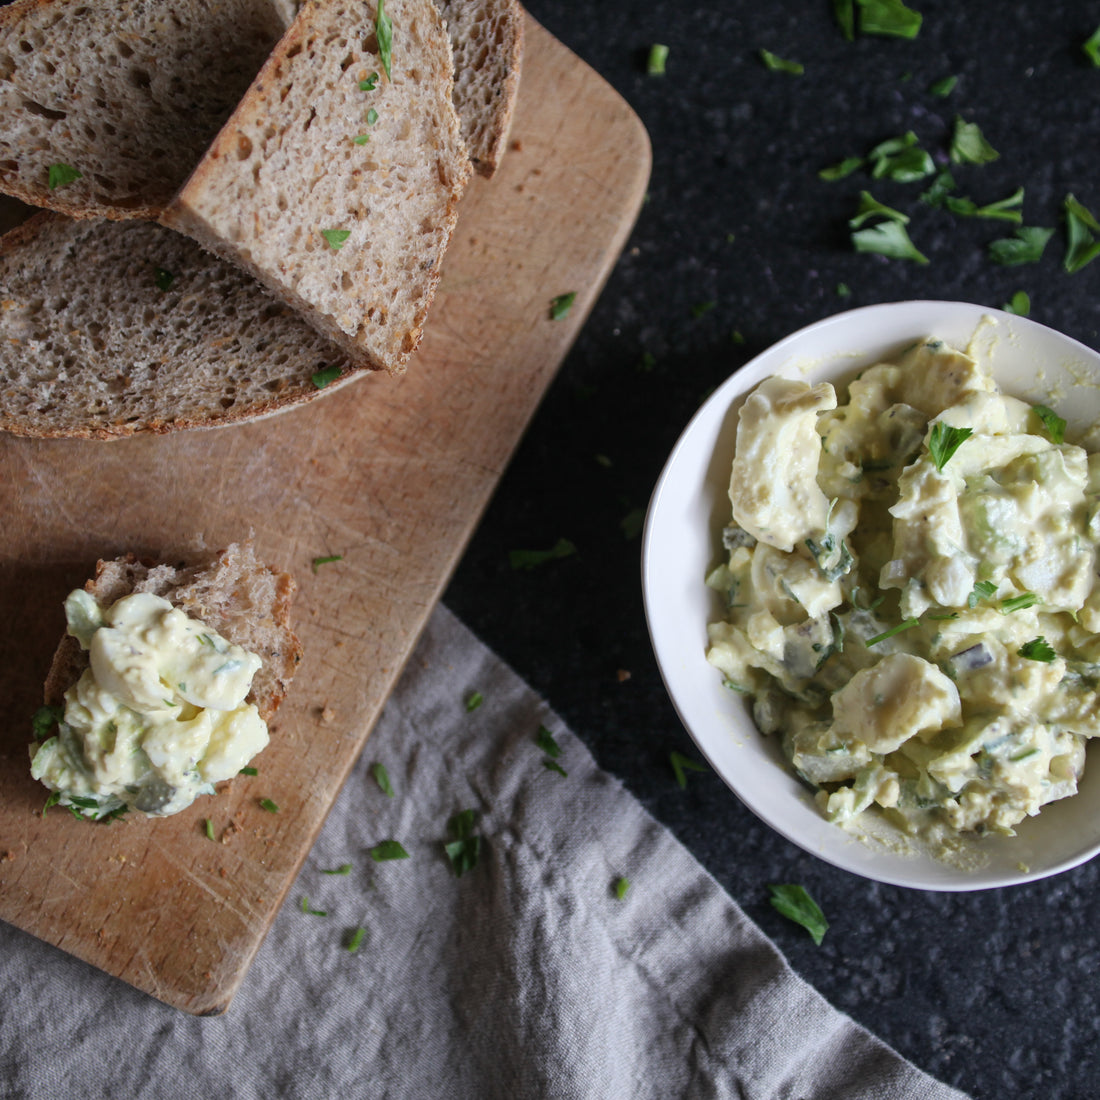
(900, 159)
(52, 800)
(356, 940)
(464, 848)
(888, 239)
(655, 62)
(530, 559)
(60, 175)
(905, 624)
(843, 290)
(369, 84)
(1036, 650)
(841, 169)
(681, 765)
(1007, 209)
(554, 766)
(1081, 246)
(474, 700)
(382, 778)
(545, 741)
(1019, 304)
(701, 309)
(383, 29)
(845, 12)
(163, 278)
(361, 139)
(944, 441)
(940, 188)
(312, 912)
(632, 523)
(44, 720)
(1026, 247)
(943, 87)
(1020, 603)
(343, 869)
(561, 305)
(622, 884)
(335, 238)
(328, 559)
(268, 805)
(780, 65)
(388, 849)
(208, 828)
(323, 377)
(888, 17)
(372, 117)
(248, 771)
(968, 144)
(795, 903)
(983, 590)
(1055, 426)
(1091, 48)
(870, 207)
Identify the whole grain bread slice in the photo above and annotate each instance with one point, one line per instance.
(127, 93)
(112, 328)
(337, 185)
(233, 592)
(487, 42)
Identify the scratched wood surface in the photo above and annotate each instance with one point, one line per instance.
(392, 474)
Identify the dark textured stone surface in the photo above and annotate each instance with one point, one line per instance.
(996, 992)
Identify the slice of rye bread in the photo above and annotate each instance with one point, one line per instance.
(127, 92)
(351, 233)
(233, 592)
(91, 345)
(487, 42)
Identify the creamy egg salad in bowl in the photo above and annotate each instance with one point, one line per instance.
(871, 571)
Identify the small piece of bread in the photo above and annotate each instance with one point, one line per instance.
(234, 593)
(335, 185)
(487, 41)
(111, 328)
(129, 93)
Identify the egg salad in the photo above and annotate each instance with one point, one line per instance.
(157, 718)
(911, 596)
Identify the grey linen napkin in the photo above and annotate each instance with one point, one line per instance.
(525, 977)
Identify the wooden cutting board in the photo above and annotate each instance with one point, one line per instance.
(391, 473)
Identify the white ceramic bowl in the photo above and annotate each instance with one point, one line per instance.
(682, 542)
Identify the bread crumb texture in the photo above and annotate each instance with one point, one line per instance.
(129, 94)
(111, 328)
(336, 188)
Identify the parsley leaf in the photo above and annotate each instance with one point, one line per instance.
(208, 828)
(1091, 47)
(369, 84)
(681, 765)
(944, 441)
(1007, 209)
(44, 720)
(632, 523)
(529, 559)
(655, 62)
(968, 144)
(474, 700)
(795, 903)
(888, 239)
(905, 624)
(383, 29)
(841, 169)
(323, 377)
(372, 117)
(52, 800)
(701, 309)
(163, 278)
(343, 869)
(1026, 247)
(622, 884)
(561, 305)
(268, 805)
(1036, 650)
(554, 766)
(900, 159)
(60, 175)
(388, 849)
(382, 778)
(1054, 424)
(983, 590)
(940, 188)
(780, 65)
(356, 940)
(870, 207)
(1019, 304)
(464, 849)
(312, 912)
(335, 238)
(1019, 603)
(888, 17)
(248, 770)
(1081, 246)
(943, 87)
(845, 13)
(325, 561)
(545, 741)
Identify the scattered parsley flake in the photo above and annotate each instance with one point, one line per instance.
(944, 441)
(208, 828)
(382, 778)
(163, 278)
(361, 139)
(554, 766)
(781, 65)
(901, 159)
(905, 624)
(335, 238)
(464, 848)
(372, 117)
(323, 377)
(545, 741)
(60, 175)
(943, 87)
(383, 29)
(561, 305)
(388, 849)
(356, 940)
(248, 771)
(1054, 424)
(327, 560)
(44, 720)
(369, 84)
(888, 239)
(1020, 603)
(1026, 247)
(1091, 48)
(530, 559)
(1007, 209)
(474, 700)
(940, 188)
(1019, 304)
(655, 62)
(983, 590)
(701, 309)
(845, 13)
(343, 869)
(681, 765)
(1081, 246)
(841, 169)
(52, 800)
(632, 523)
(968, 144)
(795, 903)
(870, 207)
(267, 804)
(312, 912)
(622, 884)
(737, 337)
(843, 290)
(1037, 649)
(888, 17)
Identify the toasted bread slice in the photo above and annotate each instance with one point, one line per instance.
(336, 185)
(127, 93)
(234, 593)
(112, 328)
